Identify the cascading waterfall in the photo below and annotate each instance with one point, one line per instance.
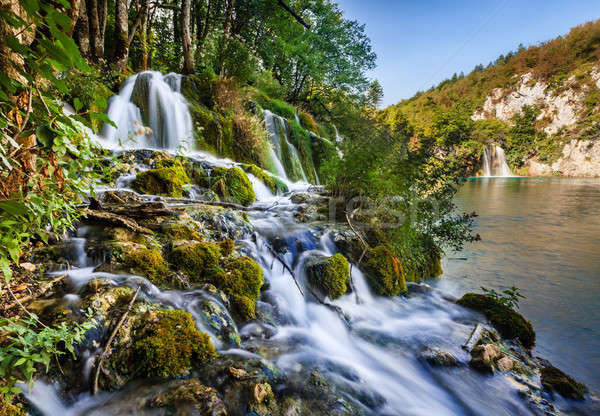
(494, 162)
(150, 111)
(285, 153)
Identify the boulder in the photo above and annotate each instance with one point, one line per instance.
(384, 272)
(554, 379)
(329, 275)
(483, 357)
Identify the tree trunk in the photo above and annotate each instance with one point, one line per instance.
(10, 61)
(96, 35)
(202, 36)
(82, 31)
(188, 52)
(121, 53)
(144, 31)
(102, 13)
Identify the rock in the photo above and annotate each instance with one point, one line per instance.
(384, 272)
(505, 364)
(30, 267)
(299, 198)
(261, 392)
(509, 323)
(167, 179)
(190, 397)
(483, 357)
(554, 379)
(237, 372)
(231, 185)
(215, 316)
(329, 275)
(438, 358)
(148, 263)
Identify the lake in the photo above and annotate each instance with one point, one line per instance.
(543, 236)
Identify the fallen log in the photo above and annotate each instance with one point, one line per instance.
(109, 218)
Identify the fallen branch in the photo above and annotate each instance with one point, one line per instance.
(105, 217)
(473, 338)
(110, 340)
(285, 265)
(44, 287)
(365, 245)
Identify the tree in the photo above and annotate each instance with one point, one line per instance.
(375, 94)
(186, 39)
(121, 51)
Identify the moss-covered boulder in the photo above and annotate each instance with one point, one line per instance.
(231, 185)
(275, 185)
(198, 261)
(384, 272)
(189, 397)
(510, 324)
(171, 344)
(554, 379)
(329, 275)
(148, 263)
(242, 283)
(167, 179)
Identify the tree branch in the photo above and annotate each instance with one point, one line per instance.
(293, 13)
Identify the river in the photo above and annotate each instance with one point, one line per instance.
(543, 236)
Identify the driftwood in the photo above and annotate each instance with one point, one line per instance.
(474, 337)
(110, 340)
(44, 287)
(109, 218)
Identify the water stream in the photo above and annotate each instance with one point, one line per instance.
(494, 162)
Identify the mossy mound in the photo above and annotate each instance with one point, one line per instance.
(167, 179)
(384, 272)
(329, 275)
(308, 123)
(232, 185)
(275, 185)
(186, 397)
(512, 325)
(554, 379)
(198, 261)
(182, 232)
(148, 263)
(171, 344)
(242, 284)
(226, 246)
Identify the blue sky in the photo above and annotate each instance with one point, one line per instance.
(420, 43)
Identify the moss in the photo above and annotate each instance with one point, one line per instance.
(278, 107)
(148, 263)
(275, 185)
(242, 284)
(198, 261)
(182, 232)
(166, 179)
(226, 246)
(554, 379)
(231, 185)
(384, 272)
(330, 275)
(301, 139)
(308, 123)
(509, 323)
(10, 409)
(171, 344)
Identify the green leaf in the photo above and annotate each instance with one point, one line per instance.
(45, 135)
(13, 207)
(77, 104)
(103, 117)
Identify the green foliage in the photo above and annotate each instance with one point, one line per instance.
(330, 275)
(453, 126)
(274, 185)
(509, 297)
(276, 106)
(511, 324)
(171, 344)
(521, 136)
(28, 346)
(301, 139)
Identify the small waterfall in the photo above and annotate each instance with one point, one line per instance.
(150, 111)
(284, 152)
(494, 162)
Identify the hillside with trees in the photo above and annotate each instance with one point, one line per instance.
(534, 102)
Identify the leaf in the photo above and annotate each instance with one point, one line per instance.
(12, 207)
(77, 104)
(45, 135)
(103, 117)
(5, 267)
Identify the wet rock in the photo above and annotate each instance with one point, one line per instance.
(190, 397)
(329, 275)
(554, 379)
(214, 315)
(509, 323)
(299, 198)
(230, 185)
(384, 272)
(167, 179)
(483, 357)
(505, 364)
(438, 358)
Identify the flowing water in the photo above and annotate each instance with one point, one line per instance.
(543, 236)
(494, 162)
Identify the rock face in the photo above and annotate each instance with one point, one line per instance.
(561, 108)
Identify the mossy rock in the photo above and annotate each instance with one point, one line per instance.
(198, 261)
(179, 232)
(242, 284)
(384, 272)
(275, 185)
(186, 397)
(148, 263)
(167, 179)
(554, 379)
(232, 185)
(171, 344)
(510, 324)
(329, 275)
(308, 123)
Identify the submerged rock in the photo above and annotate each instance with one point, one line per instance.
(329, 275)
(509, 323)
(554, 379)
(438, 358)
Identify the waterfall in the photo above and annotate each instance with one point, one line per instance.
(494, 162)
(149, 111)
(285, 155)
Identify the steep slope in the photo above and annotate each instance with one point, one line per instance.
(555, 87)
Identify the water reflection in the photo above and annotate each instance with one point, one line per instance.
(542, 235)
